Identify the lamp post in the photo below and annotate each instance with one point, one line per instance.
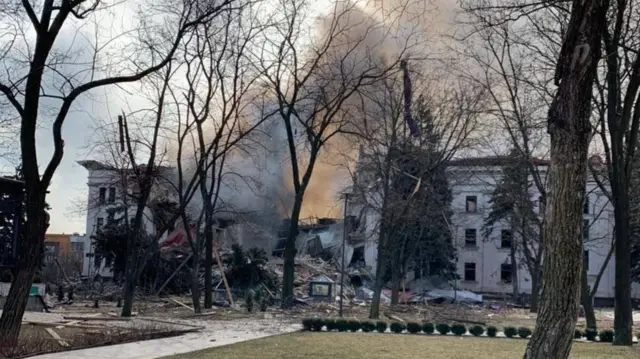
(344, 241)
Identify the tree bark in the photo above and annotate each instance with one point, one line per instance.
(623, 311)
(395, 281)
(381, 269)
(587, 301)
(570, 129)
(535, 291)
(290, 254)
(514, 272)
(195, 284)
(129, 287)
(208, 261)
(29, 258)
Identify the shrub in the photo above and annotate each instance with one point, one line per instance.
(590, 334)
(307, 324)
(578, 334)
(368, 327)
(443, 328)
(492, 331)
(413, 327)
(331, 325)
(317, 324)
(381, 326)
(354, 325)
(428, 328)
(476, 330)
(397, 327)
(510, 332)
(458, 329)
(342, 325)
(524, 332)
(606, 336)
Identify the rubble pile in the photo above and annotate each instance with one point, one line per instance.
(308, 268)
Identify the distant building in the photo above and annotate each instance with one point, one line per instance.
(484, 265)
(110, 188)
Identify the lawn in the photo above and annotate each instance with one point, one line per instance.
(379, 346)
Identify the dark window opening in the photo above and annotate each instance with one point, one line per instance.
(506, 272)
(470, 272)
(586, 229)
(586, 260)
(506, 238)
(470, 237)
(472, 204)
(112, 194)
(102, 197)
(357, 259)
(586, 204)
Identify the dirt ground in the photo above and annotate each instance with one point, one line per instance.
(179, 308)
(172, 312)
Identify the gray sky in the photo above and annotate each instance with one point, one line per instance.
(69, 185)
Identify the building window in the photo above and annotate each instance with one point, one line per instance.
(541, 205)
(505, 272)
(112, 194)
(472, 204)
(586, 229)
(99, 222)
(102, 197)
(470, 237)
(51, 251)
(586, 204)
(77, 246)
(470, 272)
(586, 260)
(506, 238)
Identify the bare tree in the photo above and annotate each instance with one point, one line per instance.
(619, 125)
(313, 77)
(570, 130)
(616, 122)
(220, 99)
(503, 61)
(29, 60)
(396, 180)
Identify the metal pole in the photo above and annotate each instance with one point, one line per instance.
(344, 241)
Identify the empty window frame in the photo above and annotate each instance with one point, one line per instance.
(470, 237)
(471, 204)
(470, 272)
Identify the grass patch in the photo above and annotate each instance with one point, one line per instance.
(376, 346)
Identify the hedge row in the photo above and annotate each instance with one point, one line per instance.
(342, 325)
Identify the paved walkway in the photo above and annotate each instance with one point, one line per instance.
(216, 333)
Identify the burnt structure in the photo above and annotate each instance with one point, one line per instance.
(11, 200)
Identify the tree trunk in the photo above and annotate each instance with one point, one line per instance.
(195, 284)
(208, 262)
(395, 281)
(381, 269)
(561, 276)
(29, 257)
(570, 129)
(129, 288)
(535, 289)
(514, 272)
(290, 254)
(587, 301)
(623, 311)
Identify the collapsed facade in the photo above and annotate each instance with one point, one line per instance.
(483, 265)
